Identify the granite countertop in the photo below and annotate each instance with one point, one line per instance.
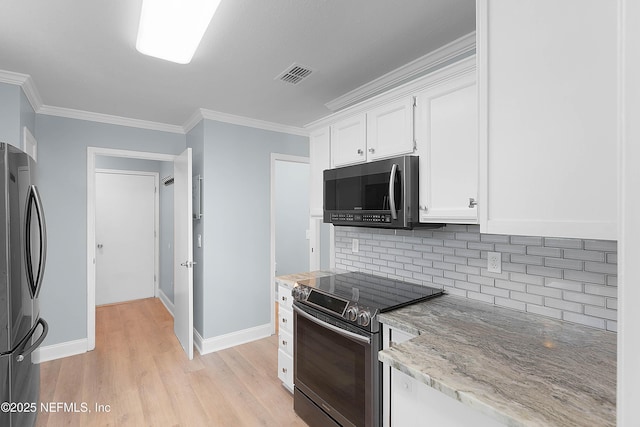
(522, 369)
(290, 280)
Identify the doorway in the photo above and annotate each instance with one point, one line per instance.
(127, 235)
(181, 261)
(289, 219)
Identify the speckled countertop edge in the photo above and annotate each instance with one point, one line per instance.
(519, 368)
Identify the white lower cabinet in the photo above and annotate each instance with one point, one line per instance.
(285, 337)
(415, 404)
(390, 336)
(285, 369)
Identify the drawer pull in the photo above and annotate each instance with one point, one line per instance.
(284, 370)
(284, 342)
(284, 298)
(284, 320)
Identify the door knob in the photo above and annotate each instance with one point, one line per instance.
(188, 264)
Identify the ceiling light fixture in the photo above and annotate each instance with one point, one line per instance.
(172, 29)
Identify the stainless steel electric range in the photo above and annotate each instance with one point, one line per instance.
(337, 339)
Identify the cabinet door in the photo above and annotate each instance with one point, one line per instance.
(548, 141)
(319, 160)
(447, 142)
(390, 129)
(414, 403)
(349, 141)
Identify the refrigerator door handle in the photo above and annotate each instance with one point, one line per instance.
(35, 282)
(24, 353)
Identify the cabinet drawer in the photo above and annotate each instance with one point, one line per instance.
(285, 369)
(284, 296)
(285, 319)
(285, 342)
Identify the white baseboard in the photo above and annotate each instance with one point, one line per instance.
(58, 351)
(166, 301)
(210, 345)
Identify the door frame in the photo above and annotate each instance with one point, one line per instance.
(92, 153)
(156, 218)
(272, 219)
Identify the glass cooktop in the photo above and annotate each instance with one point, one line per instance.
(373, 291)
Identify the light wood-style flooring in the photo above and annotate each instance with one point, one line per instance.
(139, 369)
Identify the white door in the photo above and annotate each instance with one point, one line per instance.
(125, 236)
(183, 252)
(291, 217)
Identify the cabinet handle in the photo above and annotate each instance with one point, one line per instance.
(360, 152)
(284, 298)
(284, 370)
(284, 342)
(472, 202)
(284, 320)
(372, 150)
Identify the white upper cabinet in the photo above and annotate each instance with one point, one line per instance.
(382, 132)
(447, 144)
(319, 160)
(548, 144)
(349, 141)
(390, 129)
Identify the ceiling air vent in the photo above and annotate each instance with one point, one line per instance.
(294, 74)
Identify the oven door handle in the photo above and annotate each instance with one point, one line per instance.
(331, 327)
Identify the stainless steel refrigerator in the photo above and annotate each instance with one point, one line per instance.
(23, 247)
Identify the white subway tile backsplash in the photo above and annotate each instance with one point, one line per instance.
(584, 255)
(563, 243)
(570, 279)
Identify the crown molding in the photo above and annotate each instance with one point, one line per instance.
(26, 82)
(28, 87)
(202, 113)
(108, 119)
(457, 49)
(462, 67)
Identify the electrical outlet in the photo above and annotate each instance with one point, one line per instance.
(355, 246)
(494, 262)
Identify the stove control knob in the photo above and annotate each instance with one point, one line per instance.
(304, 293)
(352, 314)
(295, 292)
(364, 318)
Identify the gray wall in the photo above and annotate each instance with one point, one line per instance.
(234, 285)
(166, 232)
(570, 279)
(62, 169)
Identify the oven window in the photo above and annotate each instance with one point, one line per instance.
(333, 367)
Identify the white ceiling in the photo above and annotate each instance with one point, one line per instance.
(81, 54)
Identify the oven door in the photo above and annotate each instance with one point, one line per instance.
(336, 367)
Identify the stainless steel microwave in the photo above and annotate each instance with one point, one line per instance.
(382, 194)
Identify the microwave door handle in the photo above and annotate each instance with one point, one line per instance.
(392, 198)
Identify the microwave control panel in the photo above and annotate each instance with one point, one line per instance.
(372, 218)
